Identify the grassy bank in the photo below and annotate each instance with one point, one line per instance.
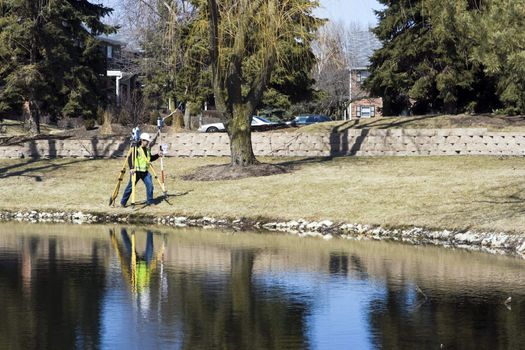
(489, 122)
(481, 193)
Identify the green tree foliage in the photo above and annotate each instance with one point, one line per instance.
(177, 63)
(498, 27)
(449, 56)
(51, 60)
(175, 51)
(248, 40)
(291, 81)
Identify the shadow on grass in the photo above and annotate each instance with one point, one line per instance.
(309, 160)
(34, 165)
(515, 201)
(379, 123)
(159, 199)
(499, 204)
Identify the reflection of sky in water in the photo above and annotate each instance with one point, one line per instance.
(208, 296)
(132, 321)
(336, 318)
(338, 306)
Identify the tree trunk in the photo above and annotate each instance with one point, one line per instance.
(106, 128)
(31, 117)
(178, 120)
(241, 281)
(239, 132)
(187, 115)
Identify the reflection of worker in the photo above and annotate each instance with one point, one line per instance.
(137, 268)
(143, 158)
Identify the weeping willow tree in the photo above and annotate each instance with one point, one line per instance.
(247, 40)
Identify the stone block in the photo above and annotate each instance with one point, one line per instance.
(395, 132)
(411, 132)
(427, 132)
(350, 132)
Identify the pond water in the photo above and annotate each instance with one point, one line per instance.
(113, 287)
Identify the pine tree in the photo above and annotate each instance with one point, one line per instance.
(425, 63)
(498, 27)
(51, 60)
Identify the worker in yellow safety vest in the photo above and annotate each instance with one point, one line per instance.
(143, 158)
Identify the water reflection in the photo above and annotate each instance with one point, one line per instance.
(114, 287)
(46, 301)
(136, 268)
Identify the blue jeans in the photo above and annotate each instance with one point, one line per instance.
(148, 181)
(148, 252)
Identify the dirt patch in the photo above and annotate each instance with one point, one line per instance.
(229, 172)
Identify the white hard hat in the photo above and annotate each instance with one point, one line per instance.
(145, 136)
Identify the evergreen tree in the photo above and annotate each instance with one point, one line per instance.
(51, 59)
(425, 63)
(498, 26)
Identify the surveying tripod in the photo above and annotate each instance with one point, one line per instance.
(132, 152)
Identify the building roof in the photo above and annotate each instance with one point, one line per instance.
(362, 45)
(120, 40)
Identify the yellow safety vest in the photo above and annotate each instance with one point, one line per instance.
(142, 160)
(143, 275)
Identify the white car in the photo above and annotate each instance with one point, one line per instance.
(213, 127)
(258, 123)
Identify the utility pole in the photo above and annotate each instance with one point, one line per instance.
(350, 95)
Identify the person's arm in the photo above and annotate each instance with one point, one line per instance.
(130, 161)
(152, 142)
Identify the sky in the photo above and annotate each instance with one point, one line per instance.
(346, 11)
(350, 11)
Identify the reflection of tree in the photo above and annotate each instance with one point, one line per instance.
(338, 264)
(236, 313)
(62, 307)
(403, 320)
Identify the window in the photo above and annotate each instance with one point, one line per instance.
(109, 51)
(366, 111)
(362, 75)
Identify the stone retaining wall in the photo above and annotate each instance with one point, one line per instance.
(357, 142)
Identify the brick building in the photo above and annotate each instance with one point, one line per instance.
(362, 105)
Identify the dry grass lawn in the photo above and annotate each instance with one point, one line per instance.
(490, 122)
(483, 193)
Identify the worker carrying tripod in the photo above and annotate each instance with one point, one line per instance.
(142, 159)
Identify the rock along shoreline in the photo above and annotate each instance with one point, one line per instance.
(502, 243)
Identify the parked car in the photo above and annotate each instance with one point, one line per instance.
(308, 119)
(258, 124)
(263, 124)
(213, 127)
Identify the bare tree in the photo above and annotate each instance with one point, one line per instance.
(133, 111)
(339, 49)
(158, 26)
(331, 70)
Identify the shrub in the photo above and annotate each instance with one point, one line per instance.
(89, 124)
